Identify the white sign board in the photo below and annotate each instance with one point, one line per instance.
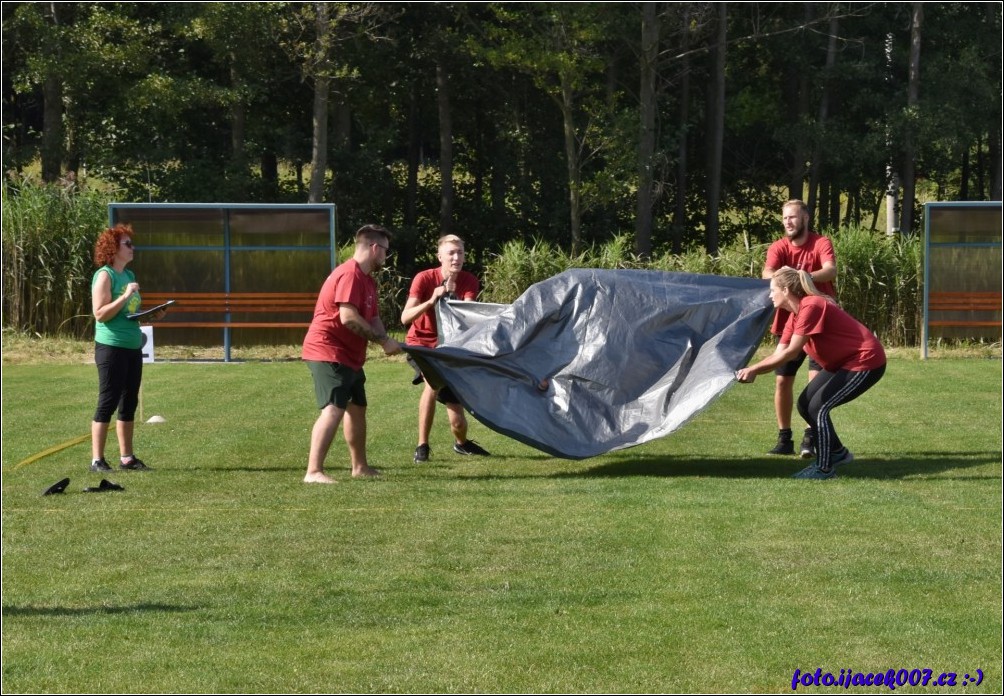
(147, 343)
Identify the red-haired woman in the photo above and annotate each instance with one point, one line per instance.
(118, 346)
(851, 357)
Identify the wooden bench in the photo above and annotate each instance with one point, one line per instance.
(226, 304)
(233, 310)
(985, 302)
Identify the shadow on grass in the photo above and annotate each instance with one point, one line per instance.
(784, 467)
(248, 469)
(15, 612)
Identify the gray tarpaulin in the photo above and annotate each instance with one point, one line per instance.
(592, 361)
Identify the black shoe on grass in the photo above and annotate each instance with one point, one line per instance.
(134, 464)
(470, 447)
(421, 454)
(783, 446)
(808, 448)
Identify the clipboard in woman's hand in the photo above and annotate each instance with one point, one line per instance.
(139, 316)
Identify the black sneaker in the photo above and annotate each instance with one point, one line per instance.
(100, 465)
(421, 454)
(134, 464)
(783, 446)
(808, 448)
(470, 447)
(814, 472)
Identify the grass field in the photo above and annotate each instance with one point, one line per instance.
(690, 564)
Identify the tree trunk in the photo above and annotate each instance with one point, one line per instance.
(445, 149)
(52, 115)
(980, 178)
(646, 138)
(834, 205)
(891, 201)
(52, 129)
(891, 174)
(717, 135)
(801, 88)
(414, 157)
(680, 213)
(913, 89)
(269, 167)
(322, 90)
(341, 128)
(572, 163)
(994, 149)
(964, 176)
(824, 110)
(821, 204)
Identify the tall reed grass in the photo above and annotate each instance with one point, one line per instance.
(49, 233)
(48, 256)
(880, 278)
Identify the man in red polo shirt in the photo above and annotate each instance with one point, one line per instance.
(449, 281)
(346, 319)
(804, 250)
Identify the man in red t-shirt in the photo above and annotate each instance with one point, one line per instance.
(448, 281)
(804, 250)
(346, 319)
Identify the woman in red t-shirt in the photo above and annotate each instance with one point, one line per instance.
(851, 357)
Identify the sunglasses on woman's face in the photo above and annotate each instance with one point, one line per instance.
(127, 242)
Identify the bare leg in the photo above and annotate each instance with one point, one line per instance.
(124, 431)
(426, 413)
(784, 399)
(355, 435)
(99, 435)
(321, 437)
(458, 422)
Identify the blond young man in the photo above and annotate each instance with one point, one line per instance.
(429, 287)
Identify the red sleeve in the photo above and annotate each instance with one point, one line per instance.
(808, 321)
(826, 252)
(348, 292)
(421, 288)
(776, 255)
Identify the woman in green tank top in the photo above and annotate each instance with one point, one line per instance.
(118, 343)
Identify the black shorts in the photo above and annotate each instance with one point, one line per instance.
(446, 396)
(443, 396)
(337, 384)
(790, 368)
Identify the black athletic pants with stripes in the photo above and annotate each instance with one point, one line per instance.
(825, 392)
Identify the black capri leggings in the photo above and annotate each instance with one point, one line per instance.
(823, 394)
(120, 372)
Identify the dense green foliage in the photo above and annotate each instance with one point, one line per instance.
(49, 232)
(513, 121)
(691, 564)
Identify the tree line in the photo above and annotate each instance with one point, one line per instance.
(684, 125)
